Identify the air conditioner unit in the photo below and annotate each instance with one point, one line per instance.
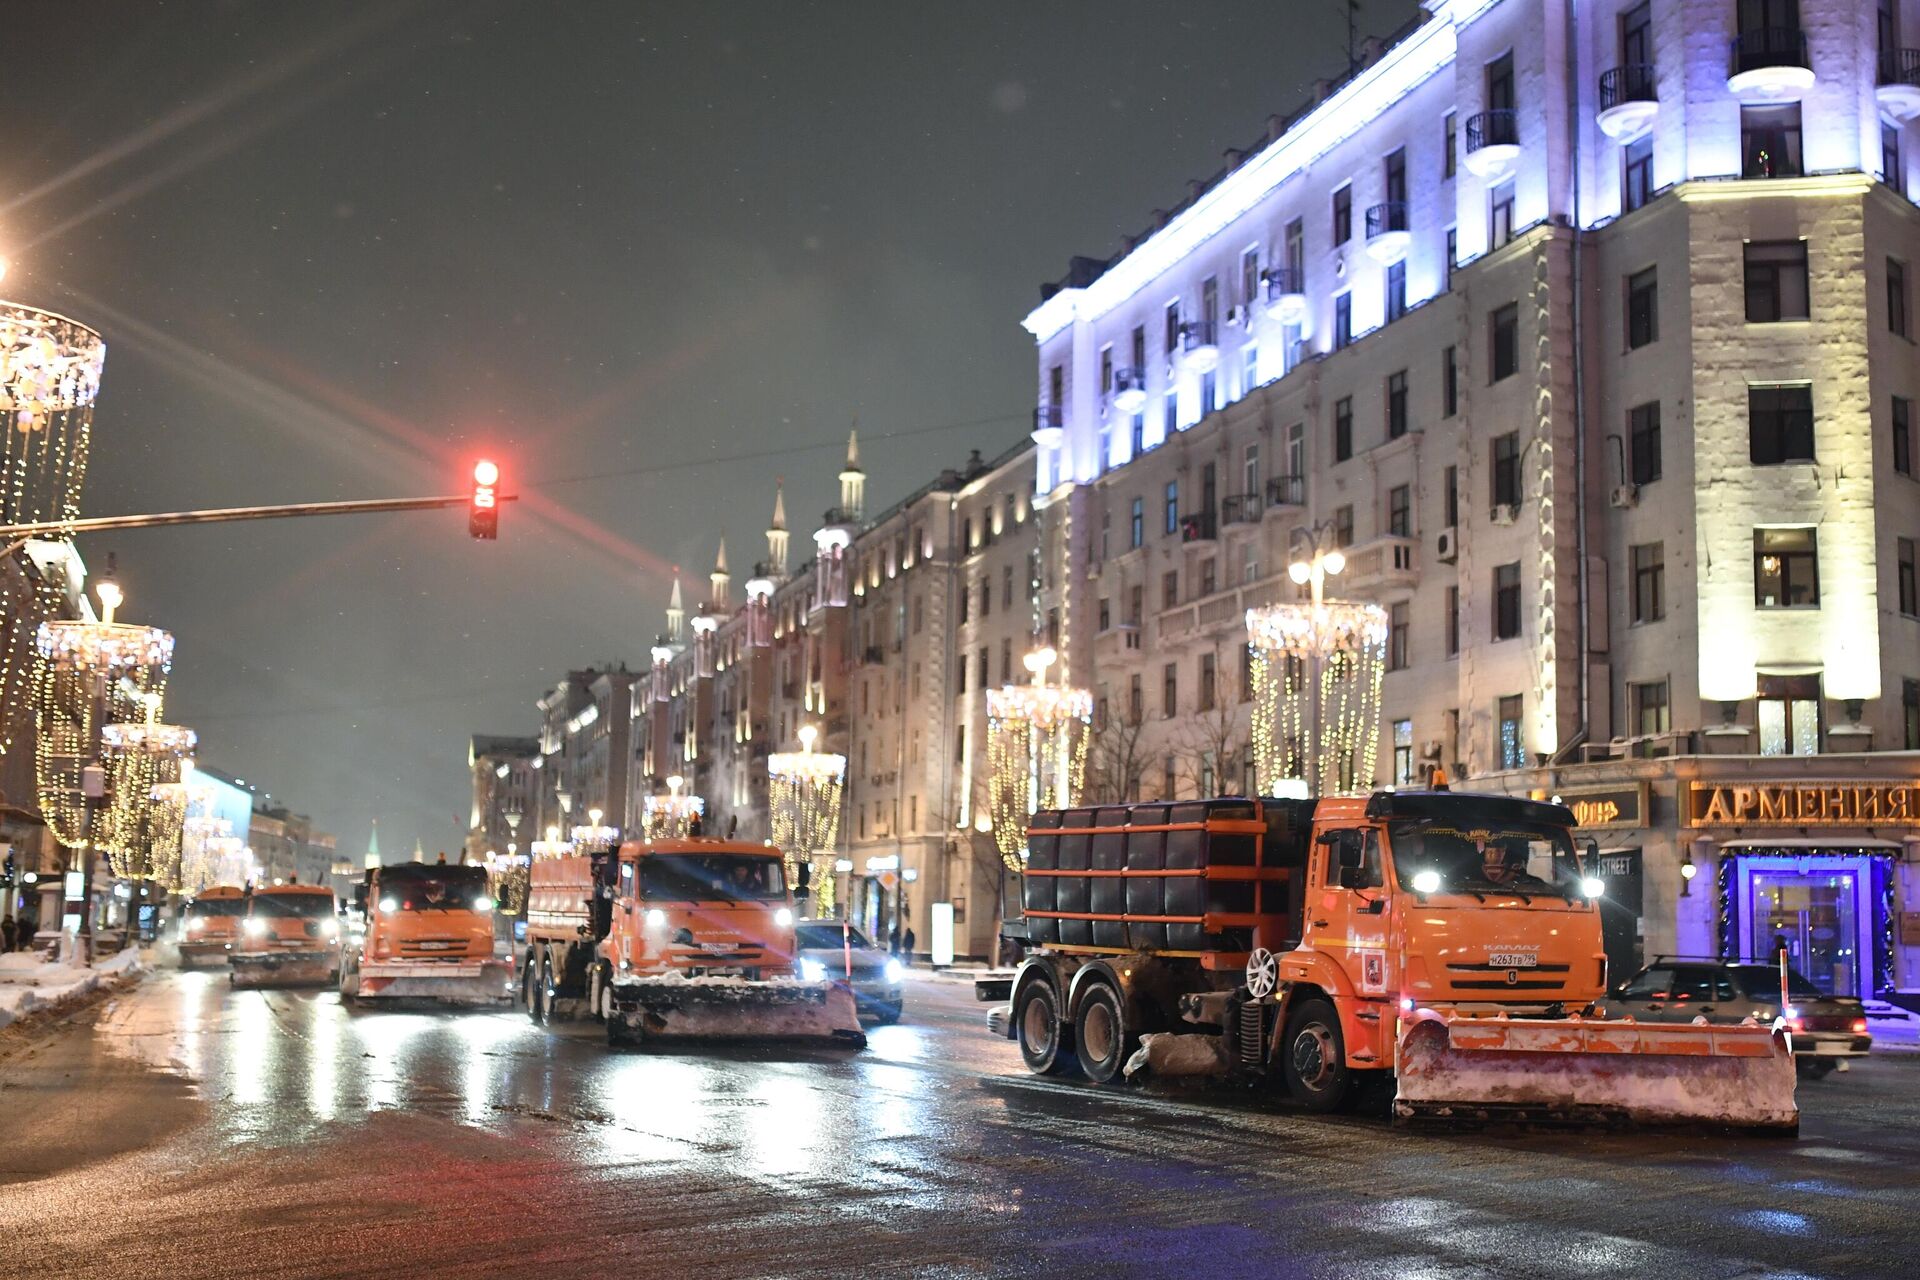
(1504, 512)
(1449, 550)
(1624, 496)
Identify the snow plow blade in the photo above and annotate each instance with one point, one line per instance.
(447, 982)
(734, 1009)
(270, 970)
(1607, 1072)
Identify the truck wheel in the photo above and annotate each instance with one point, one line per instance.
(543, 990)
(1041, 1032)
(348, 977)
(1315, 1060)
(529, 980)
(596, 993)
(1100, 1037)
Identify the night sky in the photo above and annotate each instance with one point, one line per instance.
(648, 256)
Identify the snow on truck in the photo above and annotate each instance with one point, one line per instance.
(428, 936)
(1442, 942)
(668, 939)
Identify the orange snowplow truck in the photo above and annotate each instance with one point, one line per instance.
(675, 938)
(428, 936)
(210, 924)
(1440, 945)
(290, 937)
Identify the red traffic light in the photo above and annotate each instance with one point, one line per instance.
(483, 509)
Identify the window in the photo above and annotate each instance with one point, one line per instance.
(1512, 743)
(1342, 321)
(1789, 715)
(1400, 511)
(960, 675)
(1399, 618)
(1136, 700)
(1910, 713)
(1500, 83)
(1909, 603)
(1505, 472)
(1453, 620)
(1169, 589)
(1636, 174)
(1297, 449)
(1136, 525)
(1396, 181)
(1649, 582)
(1449, 384)
(1250, 278)
(1343, 215)
(1249, 368)
(1770, 141)
(1897, 297)
(1206, 682)
(1786, 569)
(1343, 428)
(1403, 753)
(1396, 291)
(1503, 353)
(1296, 251)
(981, 673)
(1649, 708)
(1006, 589)
(1136, 604)
(1170, 419)
(1903, 435)
(1779, 424)
(1506, 601)
(1171, 334)
(1139, 351)
(1451, 256)
(1343, 526)
(1169, 690)
(1106, 614)
(1137, 440)
(1209, 576)
(1776, 276)
(966, 602)
(1500, 215)
(1890, 170)
(1450, 497)
(1396, 405)
(1643, 442)
(1006, 661)
(1449, 157)
(1643, 309)
(1250, 470)
(1171, 505)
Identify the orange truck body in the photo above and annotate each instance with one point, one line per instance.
(428, 936)
(210, 924)
(289, 938)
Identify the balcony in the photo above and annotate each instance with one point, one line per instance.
(1129, 391)
(1493, 143)
(1769, 65)
(1287, 295)
(1202, 526)
(1387, 563)
(1388, 232)
(1628, 102)
(1200, 346)
(1285, 491)
(1116, 642)
(1049, 426)
(1242, 508)
(1898, 85)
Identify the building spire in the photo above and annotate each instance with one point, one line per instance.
(720, 578)
(853, 482)
(777, 532)
(676, 611)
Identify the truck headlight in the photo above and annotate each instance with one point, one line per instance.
(195, 924)
(656, 918)
(255, 927)
(330, 928)
(483, 904)
(812, 971)
(389, 905)
(783, 917)
(1593, 886)
(894, 972)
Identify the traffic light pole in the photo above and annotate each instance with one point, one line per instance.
(18, 533)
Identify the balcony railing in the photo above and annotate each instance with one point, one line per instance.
(1048, 417)
(1286, 294)
(1631, 83)
(1286, 491)
(1900, 66)
(1765, 48)
(1242, 508)
(1201, 526)
(1385, 563)
(1391, 215)
(1898, 84)
(1500, 128)
(1129, 390)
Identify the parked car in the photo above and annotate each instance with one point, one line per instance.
(826, 952)
(1827, 1030)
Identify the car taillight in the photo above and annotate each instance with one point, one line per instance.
(1796, 1024)
(1859, 1026)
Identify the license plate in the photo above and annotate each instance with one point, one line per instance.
(436, 946)
(719, 947)
(1512, 959)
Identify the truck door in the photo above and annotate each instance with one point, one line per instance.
(1346, 916)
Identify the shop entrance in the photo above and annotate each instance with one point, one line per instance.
(1621, 930)
(1820, 909)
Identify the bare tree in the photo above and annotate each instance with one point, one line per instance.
(1115, 760)
(1206, 745)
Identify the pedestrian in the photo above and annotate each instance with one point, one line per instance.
(906, 946)
(893, 940)
(9, 929)
(1779, 945)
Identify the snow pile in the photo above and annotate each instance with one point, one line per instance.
(1892, 1026)
(28, 982)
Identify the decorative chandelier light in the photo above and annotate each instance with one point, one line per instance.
(803, 800)
(199, 859)
(592, 835)
(1317, 668)
(166, 827)
(551, 847)
(139, 757)
(671, 816)
(1037, 737)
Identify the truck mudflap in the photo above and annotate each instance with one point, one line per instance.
(732, 1009)
(281, 968)
(1588, 1071)
(463, 982)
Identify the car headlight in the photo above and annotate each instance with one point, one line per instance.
(656, 918)
(389, 905)
(1593, 886)
(812, 971)
(783, 917)
(894, 972)
(255, 927)
(1426, 881)
(483, 904)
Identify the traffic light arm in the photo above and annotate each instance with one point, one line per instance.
(226, 515)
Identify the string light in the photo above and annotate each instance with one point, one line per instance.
(1335, 750)
(1037, 740)
(803, 794)
(670, 817)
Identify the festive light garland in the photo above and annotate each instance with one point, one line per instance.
(138, 758)
(803, 799)
(671, 816)
(1037, 740)
(199, 861)
(1336, 750)
(84, 688)
(26, 600)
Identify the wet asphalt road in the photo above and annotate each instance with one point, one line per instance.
(184, 1129)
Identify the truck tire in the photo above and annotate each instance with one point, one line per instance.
(1101, 1040)
(544, 989)
(1042, 1033)
(349, 979)
(1314, 1057)
(596, 989)
(529, 984)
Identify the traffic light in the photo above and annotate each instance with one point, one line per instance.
(483, 509)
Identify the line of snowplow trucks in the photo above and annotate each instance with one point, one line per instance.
(428, 936)
(289, 937)
(673, 939)
(1438, 945)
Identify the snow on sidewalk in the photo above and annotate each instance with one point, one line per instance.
(28, 983)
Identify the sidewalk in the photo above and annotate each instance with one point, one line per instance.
(28, 983)
(966, 973)
(1894, 1030)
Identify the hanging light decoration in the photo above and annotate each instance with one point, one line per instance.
(670, 817)
(166, 825)
(803, 796)
(200, 865)
(138, 758)
(1037, 737)
(592, 835)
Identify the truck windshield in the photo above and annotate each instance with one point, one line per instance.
(296, 905)
(435, 888)
(1519, 858)
(207, 907)
(709, 877)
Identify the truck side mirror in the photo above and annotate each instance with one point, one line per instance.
(1352, 852)
(804, 879)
